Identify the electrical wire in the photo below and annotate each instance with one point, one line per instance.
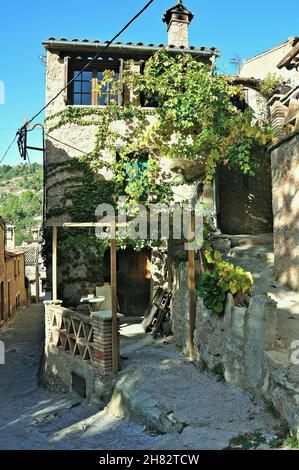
(91, 61)
(64, 143)
(8, 149)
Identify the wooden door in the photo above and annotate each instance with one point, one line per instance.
(2, 301)
(133, 280)
(8, 298)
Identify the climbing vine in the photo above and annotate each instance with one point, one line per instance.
(194, 119)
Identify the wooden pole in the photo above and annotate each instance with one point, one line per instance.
(54, 263)
(169, 266)
(114, 302)
(191, 286)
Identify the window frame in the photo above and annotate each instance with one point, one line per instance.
(117, 67)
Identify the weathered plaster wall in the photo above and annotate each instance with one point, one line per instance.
(285, 181)
(2, 272)
(7, 275)
(262, 64)
(17, 283)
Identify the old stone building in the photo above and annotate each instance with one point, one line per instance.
(244, 203)
(13, 293)
(65, 144)
(35, 270)
(280, 179)
(284, 110)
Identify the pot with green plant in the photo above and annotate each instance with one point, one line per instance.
(222, 278)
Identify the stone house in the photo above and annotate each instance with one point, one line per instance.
(282, 180)
(64, 146)
(35, 270)
(13, 293)
(244, 204)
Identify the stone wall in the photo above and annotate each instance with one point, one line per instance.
(63, 174)
(285, 182)
(244, 202)
(178, 32)
(239, 347)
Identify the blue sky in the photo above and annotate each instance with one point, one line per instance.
(234, 27)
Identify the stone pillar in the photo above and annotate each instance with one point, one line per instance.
(260, 335)
(102, 340)
(48, 304)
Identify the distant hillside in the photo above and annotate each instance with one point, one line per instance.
(21, 196)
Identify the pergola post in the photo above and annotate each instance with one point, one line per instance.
(169, 266)
(191, 287)
(54, 263)
(114, 301)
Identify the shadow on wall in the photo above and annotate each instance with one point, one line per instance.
(285, 164)
(72, 194)
(245, 202)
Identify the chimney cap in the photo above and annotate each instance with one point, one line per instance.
(178, 12)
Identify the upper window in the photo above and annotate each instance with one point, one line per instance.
(87, 89)
(82, 87)
(108, 91)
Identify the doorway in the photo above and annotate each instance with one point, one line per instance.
(8, 298)
(2, 301)
(244, 202)
(133, 280)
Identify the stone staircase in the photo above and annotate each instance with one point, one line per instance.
(255, 254)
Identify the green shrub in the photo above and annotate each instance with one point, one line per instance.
(209, 290)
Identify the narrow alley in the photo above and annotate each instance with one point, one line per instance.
(207, 416)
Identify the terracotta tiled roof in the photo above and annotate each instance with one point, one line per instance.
(31, 256)
(11, 253)
(85, 43)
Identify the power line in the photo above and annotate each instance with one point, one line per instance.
(92, 60)
(8, 149)
(64, 143)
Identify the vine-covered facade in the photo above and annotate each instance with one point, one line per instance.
(153, 123)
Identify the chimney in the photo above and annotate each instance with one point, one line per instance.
(178, 19)
(10, 237)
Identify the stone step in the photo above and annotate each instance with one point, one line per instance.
(243, 239)
(261, 252)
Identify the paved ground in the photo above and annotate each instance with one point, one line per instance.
(34, 418)
(158, 380)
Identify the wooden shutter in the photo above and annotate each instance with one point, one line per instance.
(66, 93)
(121, 90)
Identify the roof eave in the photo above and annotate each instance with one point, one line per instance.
(69, 45)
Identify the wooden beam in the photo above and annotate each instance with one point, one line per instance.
(192, 303)
(114, 302)
(87, 224)
(54, 263)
